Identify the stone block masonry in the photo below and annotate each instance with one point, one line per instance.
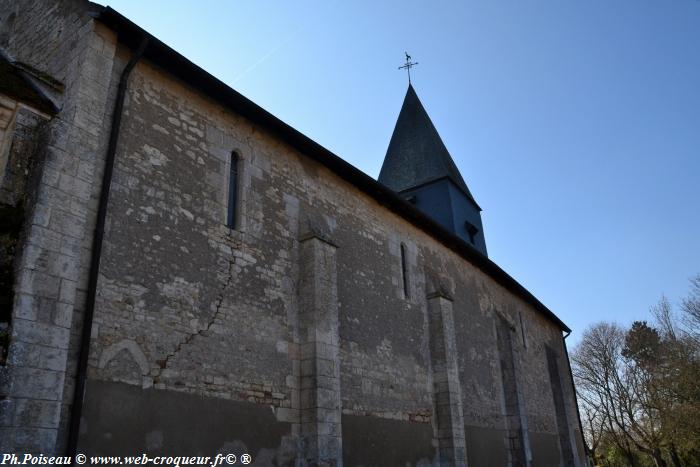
(449, 419)
(516, 422)
(37, 377)
(319, 389)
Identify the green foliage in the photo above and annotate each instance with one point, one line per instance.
(642, 344)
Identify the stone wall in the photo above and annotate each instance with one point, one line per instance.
(22, 137)
(65, 48)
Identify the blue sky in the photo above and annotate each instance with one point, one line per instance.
(575, 124)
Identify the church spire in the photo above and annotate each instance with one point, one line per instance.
(419, 167)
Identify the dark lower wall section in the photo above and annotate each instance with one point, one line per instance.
(486, 446)
(372, 441)
(121, 419)
(545, 449)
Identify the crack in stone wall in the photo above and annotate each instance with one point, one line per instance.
(163, 364)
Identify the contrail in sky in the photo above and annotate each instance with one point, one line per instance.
(266, 56)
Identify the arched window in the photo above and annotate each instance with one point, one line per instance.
(232, 191)
(404, 271)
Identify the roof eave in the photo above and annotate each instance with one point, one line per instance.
(34, 96)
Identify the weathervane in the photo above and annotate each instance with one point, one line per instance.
(408, 66)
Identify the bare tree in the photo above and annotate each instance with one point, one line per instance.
(639, 388)
(691, 310)
(598, 374)
(610, 368)
(677, 374)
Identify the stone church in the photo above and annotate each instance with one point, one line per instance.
(183, 273)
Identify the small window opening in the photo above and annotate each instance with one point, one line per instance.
(232, 191)
(471, 231)
(404, 271)
(522, 329)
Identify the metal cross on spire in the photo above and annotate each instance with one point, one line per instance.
(408, 66)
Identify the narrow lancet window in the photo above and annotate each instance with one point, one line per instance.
(232, 191)
(404, 271)
(522, 329)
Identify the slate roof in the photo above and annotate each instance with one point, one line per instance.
(416, 153)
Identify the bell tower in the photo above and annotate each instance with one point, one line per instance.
(420, 169)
